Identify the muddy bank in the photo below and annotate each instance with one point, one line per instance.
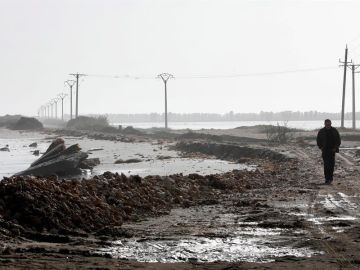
(230, 151)
(218, 138)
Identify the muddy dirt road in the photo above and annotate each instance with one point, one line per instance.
(282, 217)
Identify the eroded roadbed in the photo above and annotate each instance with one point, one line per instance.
(277, 217)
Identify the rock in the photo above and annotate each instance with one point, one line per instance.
(36, 152)
(34, 144)
(115, 232)
(160, 157)
(132, 160)
(89, 163)
(5, 149)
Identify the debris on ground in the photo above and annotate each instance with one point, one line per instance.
(34, 144)
(131, 160)
(5, 149)
(59, 160)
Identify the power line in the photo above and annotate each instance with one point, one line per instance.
(218, 76)
(256, 74)
(134, 77)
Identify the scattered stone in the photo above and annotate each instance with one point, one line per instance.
(95, 149)
(131, 160)
(5, 149)
(89, 164)
(34, 144)
(36, 153)
(160, 157)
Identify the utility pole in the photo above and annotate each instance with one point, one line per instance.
(70, 83)
(48, 110)
(62, 96)
(345, 63)
(55, 100)
(77, 76)
(353, 96)
(165, 77)
(353, 68)
(52, 108)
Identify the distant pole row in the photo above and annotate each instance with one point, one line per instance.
(353, 68)
(47, 110)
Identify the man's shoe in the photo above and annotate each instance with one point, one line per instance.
(328, 182)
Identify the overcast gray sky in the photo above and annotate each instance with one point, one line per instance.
(42, 41)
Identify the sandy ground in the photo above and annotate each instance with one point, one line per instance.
(290, 201)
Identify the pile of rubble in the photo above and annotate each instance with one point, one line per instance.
(61, 206)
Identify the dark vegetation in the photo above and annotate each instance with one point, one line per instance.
(99, 124)
(27, 123)
(89, 123)
(9, 120)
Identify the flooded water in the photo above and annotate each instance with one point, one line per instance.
(307, 125)
(203, 234)
(257, 248)
(151, 156)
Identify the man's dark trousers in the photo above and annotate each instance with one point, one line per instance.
(329, 164)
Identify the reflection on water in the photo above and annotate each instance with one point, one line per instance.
(206, 234)
(247, 243)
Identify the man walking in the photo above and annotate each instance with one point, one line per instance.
(328, 140)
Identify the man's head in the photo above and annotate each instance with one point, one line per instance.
(327, 123)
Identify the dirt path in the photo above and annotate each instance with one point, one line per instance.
(286, 212)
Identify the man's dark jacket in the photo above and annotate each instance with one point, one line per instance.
(328, 139)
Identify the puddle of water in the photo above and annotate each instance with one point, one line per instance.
(172, 166)
(347, 200)
(253, 248)
(206, 234)
(321, 220)
(338, 229)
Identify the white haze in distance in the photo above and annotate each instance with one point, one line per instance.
(42, 41)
